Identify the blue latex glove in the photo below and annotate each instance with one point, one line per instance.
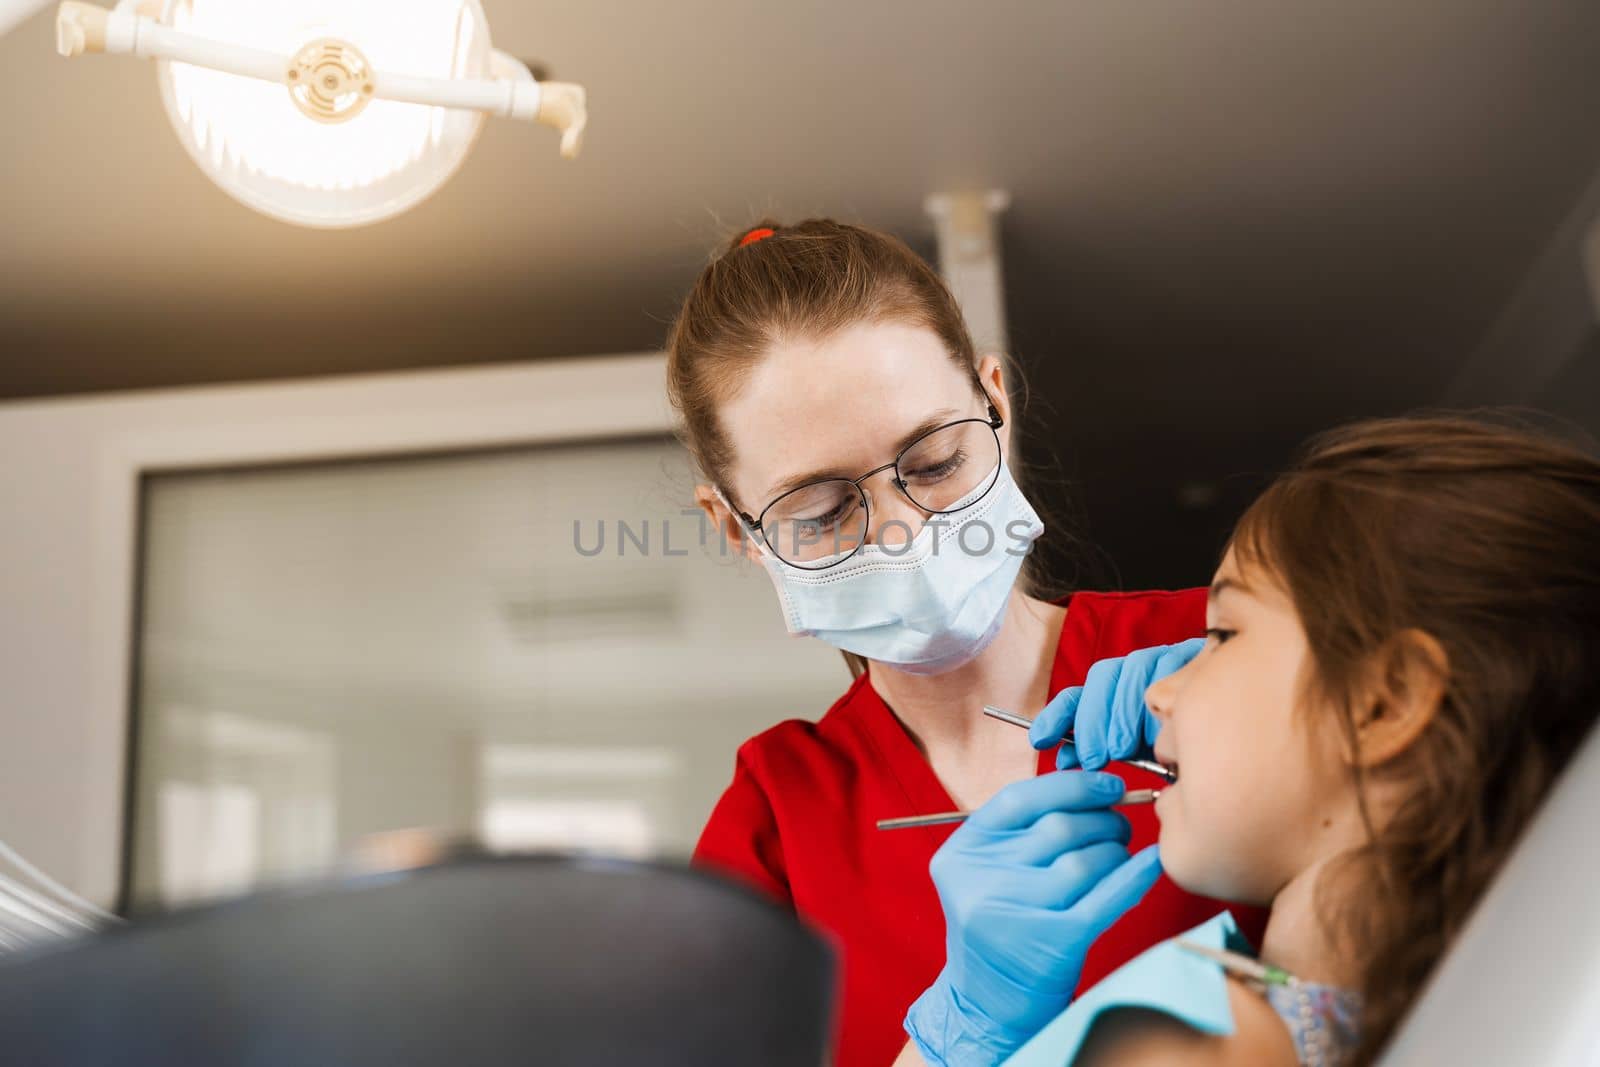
(1107, 714)
(1027, 883)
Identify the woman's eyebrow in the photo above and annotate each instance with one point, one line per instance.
(932, 422)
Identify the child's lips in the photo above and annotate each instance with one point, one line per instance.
(1171, 764)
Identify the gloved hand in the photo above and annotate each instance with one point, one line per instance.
(1107, 714)
(1027, 883)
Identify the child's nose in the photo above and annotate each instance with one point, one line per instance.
(1159, 696)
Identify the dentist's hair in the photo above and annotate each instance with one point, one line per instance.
(1485, 535)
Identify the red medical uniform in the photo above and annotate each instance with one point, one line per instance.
(798, 823)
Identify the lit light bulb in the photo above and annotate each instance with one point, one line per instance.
(252, 140)
(325, 112)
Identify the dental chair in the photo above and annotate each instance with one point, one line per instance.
(1521, 985)
(556, 961)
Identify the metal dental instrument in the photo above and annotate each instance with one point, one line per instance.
(1143, 764)
(1135, 796)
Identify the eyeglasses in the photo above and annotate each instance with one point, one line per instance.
(823, 523)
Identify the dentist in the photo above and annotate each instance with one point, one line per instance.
(856, 446)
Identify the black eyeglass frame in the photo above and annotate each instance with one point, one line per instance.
(756, 525)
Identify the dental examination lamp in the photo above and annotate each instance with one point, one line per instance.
(326, 113)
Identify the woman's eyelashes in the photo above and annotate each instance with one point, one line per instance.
(1218, 634)
(936, 472)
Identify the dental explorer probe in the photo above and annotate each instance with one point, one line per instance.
(1134, 796)
(1143, 764)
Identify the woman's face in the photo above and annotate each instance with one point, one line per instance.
(1263, 790)
(840, 406)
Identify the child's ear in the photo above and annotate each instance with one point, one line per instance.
(725, 522)
(1409, 677)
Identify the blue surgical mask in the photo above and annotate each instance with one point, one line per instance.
(924, 607)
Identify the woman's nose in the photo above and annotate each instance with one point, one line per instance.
(895, 520)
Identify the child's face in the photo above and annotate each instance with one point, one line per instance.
(1263, 788)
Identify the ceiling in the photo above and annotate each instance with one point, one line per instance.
(1231, 224)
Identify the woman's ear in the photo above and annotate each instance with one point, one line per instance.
(727, 525)
(1409, 677)
(992, 375)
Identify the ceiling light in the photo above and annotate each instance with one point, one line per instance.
(325, 112)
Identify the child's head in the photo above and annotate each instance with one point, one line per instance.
(1404, 650)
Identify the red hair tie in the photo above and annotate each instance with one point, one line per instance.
(755, 235)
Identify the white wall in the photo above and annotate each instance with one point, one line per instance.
(69, 490)
(339, 649)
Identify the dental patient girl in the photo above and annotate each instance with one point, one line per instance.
(1403, 650)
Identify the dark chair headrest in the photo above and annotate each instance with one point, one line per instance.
(538, 960)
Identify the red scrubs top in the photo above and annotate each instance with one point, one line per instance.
(798, 822)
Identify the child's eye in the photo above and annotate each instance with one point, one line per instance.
(1219, 635)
